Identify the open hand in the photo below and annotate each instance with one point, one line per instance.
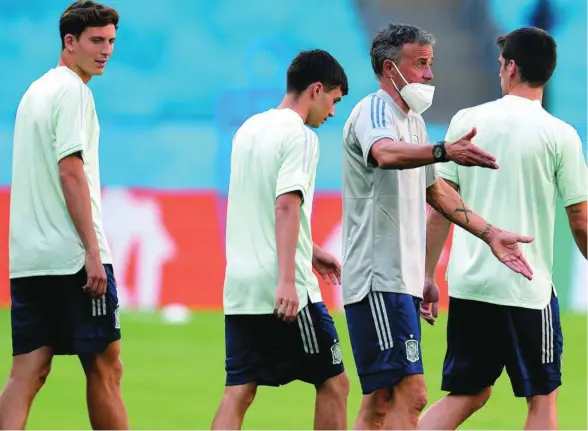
(327, 266)
(465, 153)
(505, 247)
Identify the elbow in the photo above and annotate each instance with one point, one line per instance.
(384, 156)
(67, 176)
(579, 230)
(286, 209)
(387, 161)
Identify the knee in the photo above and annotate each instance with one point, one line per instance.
(475, 402)
(417, 395)
(33, 376)
(375, 408)
(242, 395)
(480, 399)
(107, 365)
(42, 375)
(542, 402)
(336, 387)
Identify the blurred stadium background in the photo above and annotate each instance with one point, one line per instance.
(184, 76)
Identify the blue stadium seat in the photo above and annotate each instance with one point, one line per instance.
(180, 63)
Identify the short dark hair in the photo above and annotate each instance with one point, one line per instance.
(387, 43)
(83, 14)
(315, 66)
(534, 52)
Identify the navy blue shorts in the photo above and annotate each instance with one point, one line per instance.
(54, 311)
(271, 352)
(484, 338)
(385, 333)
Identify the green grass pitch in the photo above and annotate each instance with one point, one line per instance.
(174, 378)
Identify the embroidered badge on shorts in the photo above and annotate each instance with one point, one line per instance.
(336, 353)
(412, 350)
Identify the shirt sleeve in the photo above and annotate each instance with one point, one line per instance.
(448, 170)
(375, 121)
(298, 154)
(570, 169)
(69, 117)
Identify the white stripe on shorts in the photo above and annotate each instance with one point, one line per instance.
(547, 335)
(99, 306)
(307, 332)
(381, 321)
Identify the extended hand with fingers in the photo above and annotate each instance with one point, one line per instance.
(505, 246)
(465, 153)
(327, 266)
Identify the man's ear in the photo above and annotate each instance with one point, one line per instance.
(68, 42)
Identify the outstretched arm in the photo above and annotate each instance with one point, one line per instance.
(390, 154)
(503, 244)
(382, 145)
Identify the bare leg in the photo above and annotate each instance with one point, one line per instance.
(231, 412)
(331, 404)
(103, 389)
(28, 374)
(372, 412)
(409, 398)
(542, 413)
(453, 410)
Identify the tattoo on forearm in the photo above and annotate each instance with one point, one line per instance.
(464, 210)
(486, 232)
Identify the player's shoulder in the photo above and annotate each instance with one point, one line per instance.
(55, 83)
(559, 127)
(277, 118)
(370, 103)
(375, 103)
(61, 78)
(276, 124)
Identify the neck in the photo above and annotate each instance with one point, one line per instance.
(297, 104)
(388, 87)
(66, 60)
(523, 90)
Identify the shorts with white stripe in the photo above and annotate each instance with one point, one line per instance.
(385, 333)
(55, 311)
(484, 338)
(271, 352)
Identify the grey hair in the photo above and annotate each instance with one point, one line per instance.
(387, 43)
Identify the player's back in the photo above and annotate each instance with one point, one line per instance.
(55, 118)
(539, 157)
(259, 170)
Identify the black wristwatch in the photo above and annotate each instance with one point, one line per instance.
(439, 154)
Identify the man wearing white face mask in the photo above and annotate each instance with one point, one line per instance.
(388, 175)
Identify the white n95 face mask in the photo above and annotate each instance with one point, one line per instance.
(418, 97)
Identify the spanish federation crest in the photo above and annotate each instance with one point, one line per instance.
(336, 353)
(412, 350)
